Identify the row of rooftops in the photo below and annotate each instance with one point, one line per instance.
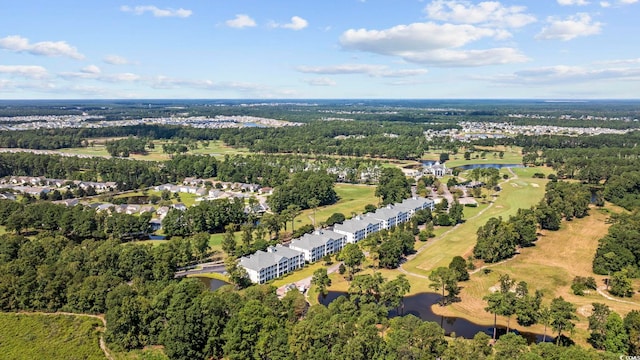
(407, 206)
(264, 259)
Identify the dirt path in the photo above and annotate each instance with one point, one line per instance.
(103, 344)
(609, 297)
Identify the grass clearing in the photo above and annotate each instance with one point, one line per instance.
(549, 266)
(353, 198)
(218, 149)
(32, 336)
(461, 239)
(298, 274)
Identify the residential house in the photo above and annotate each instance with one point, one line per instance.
(147, 208)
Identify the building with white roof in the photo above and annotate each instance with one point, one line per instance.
(277, 261)
(318, 244)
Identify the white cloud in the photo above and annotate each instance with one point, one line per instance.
(20, 44)
(116, 60)
(570, 28)
(297, 23)
(241, 21)
(606, 4)
(367, 69)
(573, 2)
(157, 12)
(164, 82)
(323, 81)
(91, 69)
(93, 72)
(619, 62)
(430, 43)
(486, 12)
(122, 77)
(568, 74)
(28, 71)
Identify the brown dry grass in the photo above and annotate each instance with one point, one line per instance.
(549, 266)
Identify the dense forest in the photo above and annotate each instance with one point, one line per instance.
(144, 305)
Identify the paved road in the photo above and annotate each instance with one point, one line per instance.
(205, 268)
(306, 282)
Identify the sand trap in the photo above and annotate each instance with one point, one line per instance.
(535, 185)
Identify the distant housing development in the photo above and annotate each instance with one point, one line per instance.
(279, 260)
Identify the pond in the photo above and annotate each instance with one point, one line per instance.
(212, 284)
(420, 306)
(486, 166)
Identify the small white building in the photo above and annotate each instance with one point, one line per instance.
(437, 169)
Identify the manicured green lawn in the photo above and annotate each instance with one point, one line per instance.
(298, 274)
(49, 337)
(353, 198)
(519, 193)
(218, 149)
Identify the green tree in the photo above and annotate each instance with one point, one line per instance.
(510, 346)
(237, 274)
(562, 315)
(313, 204)
(352, 257)
(598, 325)
(335, 218)
(459, 265)
(445, 280)
(632, 325)
(393, 186)
(620, 285)
(229, 243)
(456, 212)
(393, 292)
(321, 280)
(411, 338)
(616, 337)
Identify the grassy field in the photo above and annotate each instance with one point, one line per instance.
(49, 337)
(69, 337)
(215, 148)
(512, 155)
(515, 194)
(353, 198)
(548, 266)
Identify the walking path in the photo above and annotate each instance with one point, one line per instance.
(443, 235)
(608, 297)
(306, 282)
(103, 344)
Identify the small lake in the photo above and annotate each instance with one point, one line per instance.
(212, 284)
(475, 166)
(486, 166)
(420, 306)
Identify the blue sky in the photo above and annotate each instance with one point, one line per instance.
(551, 49)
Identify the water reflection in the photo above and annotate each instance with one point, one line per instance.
(212, 284)
(420, 306)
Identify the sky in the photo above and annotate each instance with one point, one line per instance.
(311, 49)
